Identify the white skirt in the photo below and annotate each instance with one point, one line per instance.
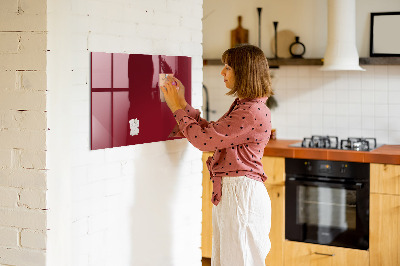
(241, 223)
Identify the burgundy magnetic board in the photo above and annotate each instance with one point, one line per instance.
(127, 106)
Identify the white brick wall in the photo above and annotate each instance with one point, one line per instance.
(136, 205)
(9, 237)
(11, 256)
(23, 132)
(8, 197)
(33, 239)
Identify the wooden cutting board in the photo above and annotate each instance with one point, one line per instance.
(239, 35)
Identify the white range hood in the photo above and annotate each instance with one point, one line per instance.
(341, 51)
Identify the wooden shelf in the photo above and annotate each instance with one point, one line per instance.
(273, 63)
(380, 61)
(212, 62)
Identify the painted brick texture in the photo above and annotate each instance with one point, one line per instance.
(33, 239)
(9, 237)
(109, 207)
(23, 132)
(135, 205)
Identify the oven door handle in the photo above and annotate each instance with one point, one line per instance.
(352, 185)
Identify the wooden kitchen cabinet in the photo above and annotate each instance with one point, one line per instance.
(305, 254)
(384, 236)
(277, 233)
(385, 215)
(206, 225)
(385, 178)
(274, 168)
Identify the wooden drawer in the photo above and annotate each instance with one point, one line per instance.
(304, 254)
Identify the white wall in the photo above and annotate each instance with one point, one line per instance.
(311, 102)
(343, 104)
(135, 205)
(306, 19)
(23, 133)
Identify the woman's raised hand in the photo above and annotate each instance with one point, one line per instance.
(174, 94)
(181, 91)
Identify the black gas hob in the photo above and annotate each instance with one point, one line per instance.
(332, 142)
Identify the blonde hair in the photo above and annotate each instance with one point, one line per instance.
(250, 66)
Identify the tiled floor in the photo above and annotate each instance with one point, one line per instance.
(206, 261)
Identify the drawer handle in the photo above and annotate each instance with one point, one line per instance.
(324, 254)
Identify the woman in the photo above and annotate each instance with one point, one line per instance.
(242, 208)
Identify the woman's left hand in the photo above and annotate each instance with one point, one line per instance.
(171, 96)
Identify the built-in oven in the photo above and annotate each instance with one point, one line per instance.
(327, 202)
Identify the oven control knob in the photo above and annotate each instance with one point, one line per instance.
(308, 166)
(343, 168)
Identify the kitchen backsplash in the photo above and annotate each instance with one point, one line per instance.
(314, 102)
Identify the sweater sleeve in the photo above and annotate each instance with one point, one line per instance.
(195, 114)
(231, 130)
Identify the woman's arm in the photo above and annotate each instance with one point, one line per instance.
(239, 127)
(174, 93)
(193, 113)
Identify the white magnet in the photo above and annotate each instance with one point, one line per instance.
(134, 126)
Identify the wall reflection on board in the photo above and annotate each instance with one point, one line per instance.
(127, 105)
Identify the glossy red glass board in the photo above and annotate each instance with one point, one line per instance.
(127, 105)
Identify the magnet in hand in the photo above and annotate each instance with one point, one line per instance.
(161, 82)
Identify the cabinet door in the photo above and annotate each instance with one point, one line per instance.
(277, 233)
(304, 254)
(384, 230)
(206, 232)
(274, 168)
(385, 178)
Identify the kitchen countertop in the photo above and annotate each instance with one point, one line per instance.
(389, 154)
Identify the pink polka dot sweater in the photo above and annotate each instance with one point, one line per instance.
(238, 139)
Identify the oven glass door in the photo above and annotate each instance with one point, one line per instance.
(326, 207)
(326, 213)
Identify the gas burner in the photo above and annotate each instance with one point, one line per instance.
(332, 142)
(327, 142)
(358, 144)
